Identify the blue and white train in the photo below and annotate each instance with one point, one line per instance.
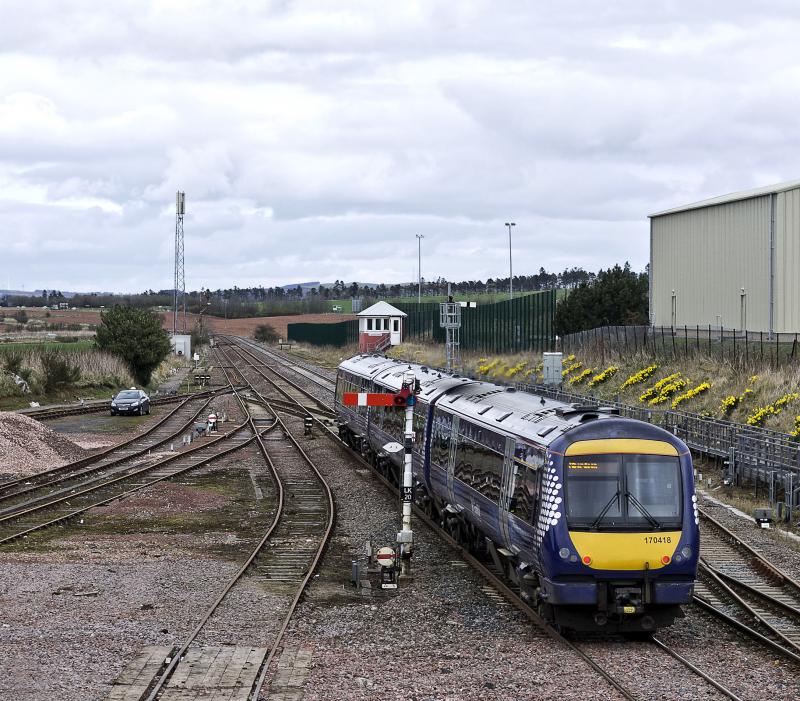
(592, 515)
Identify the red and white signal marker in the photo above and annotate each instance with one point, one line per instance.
(400, 399)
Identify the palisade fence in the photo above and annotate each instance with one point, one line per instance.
(511, 326)
(756, 455)
(732, 345)
(522, 324)
(341, 333)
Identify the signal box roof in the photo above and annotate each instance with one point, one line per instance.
(382, 309)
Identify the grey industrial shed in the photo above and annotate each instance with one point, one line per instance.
(729, 261)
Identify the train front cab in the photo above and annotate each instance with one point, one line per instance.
(623, 553)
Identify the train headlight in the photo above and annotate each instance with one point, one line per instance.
(686, 551)
(563, 553)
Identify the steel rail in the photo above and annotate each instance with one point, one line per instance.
(731, 594)
(509, 593)
(76, 464)
(736, 541)
(93, 468)
(755, 592)
(47, 413)
(699, 672)
(283, 359)
(101, 484)
(293, 384)
(331, 509)
(279, 512)
(738, 625)
(167, 672)
(127, 476)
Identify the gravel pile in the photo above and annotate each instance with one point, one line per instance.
(28, 446)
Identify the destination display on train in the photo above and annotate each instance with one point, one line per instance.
(593, 465)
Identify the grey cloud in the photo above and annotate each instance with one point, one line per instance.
(314, 139)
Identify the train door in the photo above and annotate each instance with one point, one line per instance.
(506, 502)
(451, 460)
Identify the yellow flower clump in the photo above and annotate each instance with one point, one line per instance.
(666, 391)
(571, 368)
(487, 367)
(702, 387)
(603, 376)
(577, 379)
(655, 390)
(566, 361)
(641, 376)
(760, 415)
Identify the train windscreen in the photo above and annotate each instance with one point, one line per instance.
(623, 491)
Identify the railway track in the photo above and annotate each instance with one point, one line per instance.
(738, 584)
(297, 396)
(497, 581)
(93, 407)
(167, 429)
(296, 365)
(283, 561)
(37, 514)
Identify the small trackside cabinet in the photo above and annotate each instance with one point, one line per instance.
(551, 368)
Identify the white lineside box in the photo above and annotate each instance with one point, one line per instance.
(551, 368)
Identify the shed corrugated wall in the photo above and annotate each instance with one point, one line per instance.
(707, 255)
(787, 261)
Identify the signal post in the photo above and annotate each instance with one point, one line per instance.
(405, 399)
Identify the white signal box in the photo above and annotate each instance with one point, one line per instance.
(551, 368)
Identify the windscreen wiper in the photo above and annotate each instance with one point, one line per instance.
(644, 511)
(599, 518)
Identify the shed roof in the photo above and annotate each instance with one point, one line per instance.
(382, 309)
(733, 197)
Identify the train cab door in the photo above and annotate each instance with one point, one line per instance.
(451, 460)
(506, 503)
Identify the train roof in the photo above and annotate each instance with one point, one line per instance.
(497, 407)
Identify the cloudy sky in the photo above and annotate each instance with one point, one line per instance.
(315, 139)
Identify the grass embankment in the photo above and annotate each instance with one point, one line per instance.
(769, 398)
(62, 372)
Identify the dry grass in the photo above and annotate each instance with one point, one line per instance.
(97, 369)
(325, 356)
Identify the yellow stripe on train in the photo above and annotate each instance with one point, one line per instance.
(625, 551)
(621, 445)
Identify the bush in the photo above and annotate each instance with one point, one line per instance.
(136, 336)
(266, 334)
(21, 316)
(57, 370)
(12, 361)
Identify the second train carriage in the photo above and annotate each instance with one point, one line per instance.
(592, 514)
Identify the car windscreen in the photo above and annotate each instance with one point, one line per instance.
(128, 394)
(623, 491)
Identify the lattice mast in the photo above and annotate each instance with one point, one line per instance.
(450, 321)
(180, 277)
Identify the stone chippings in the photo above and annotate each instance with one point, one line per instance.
(74, 612)
(27, 446)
